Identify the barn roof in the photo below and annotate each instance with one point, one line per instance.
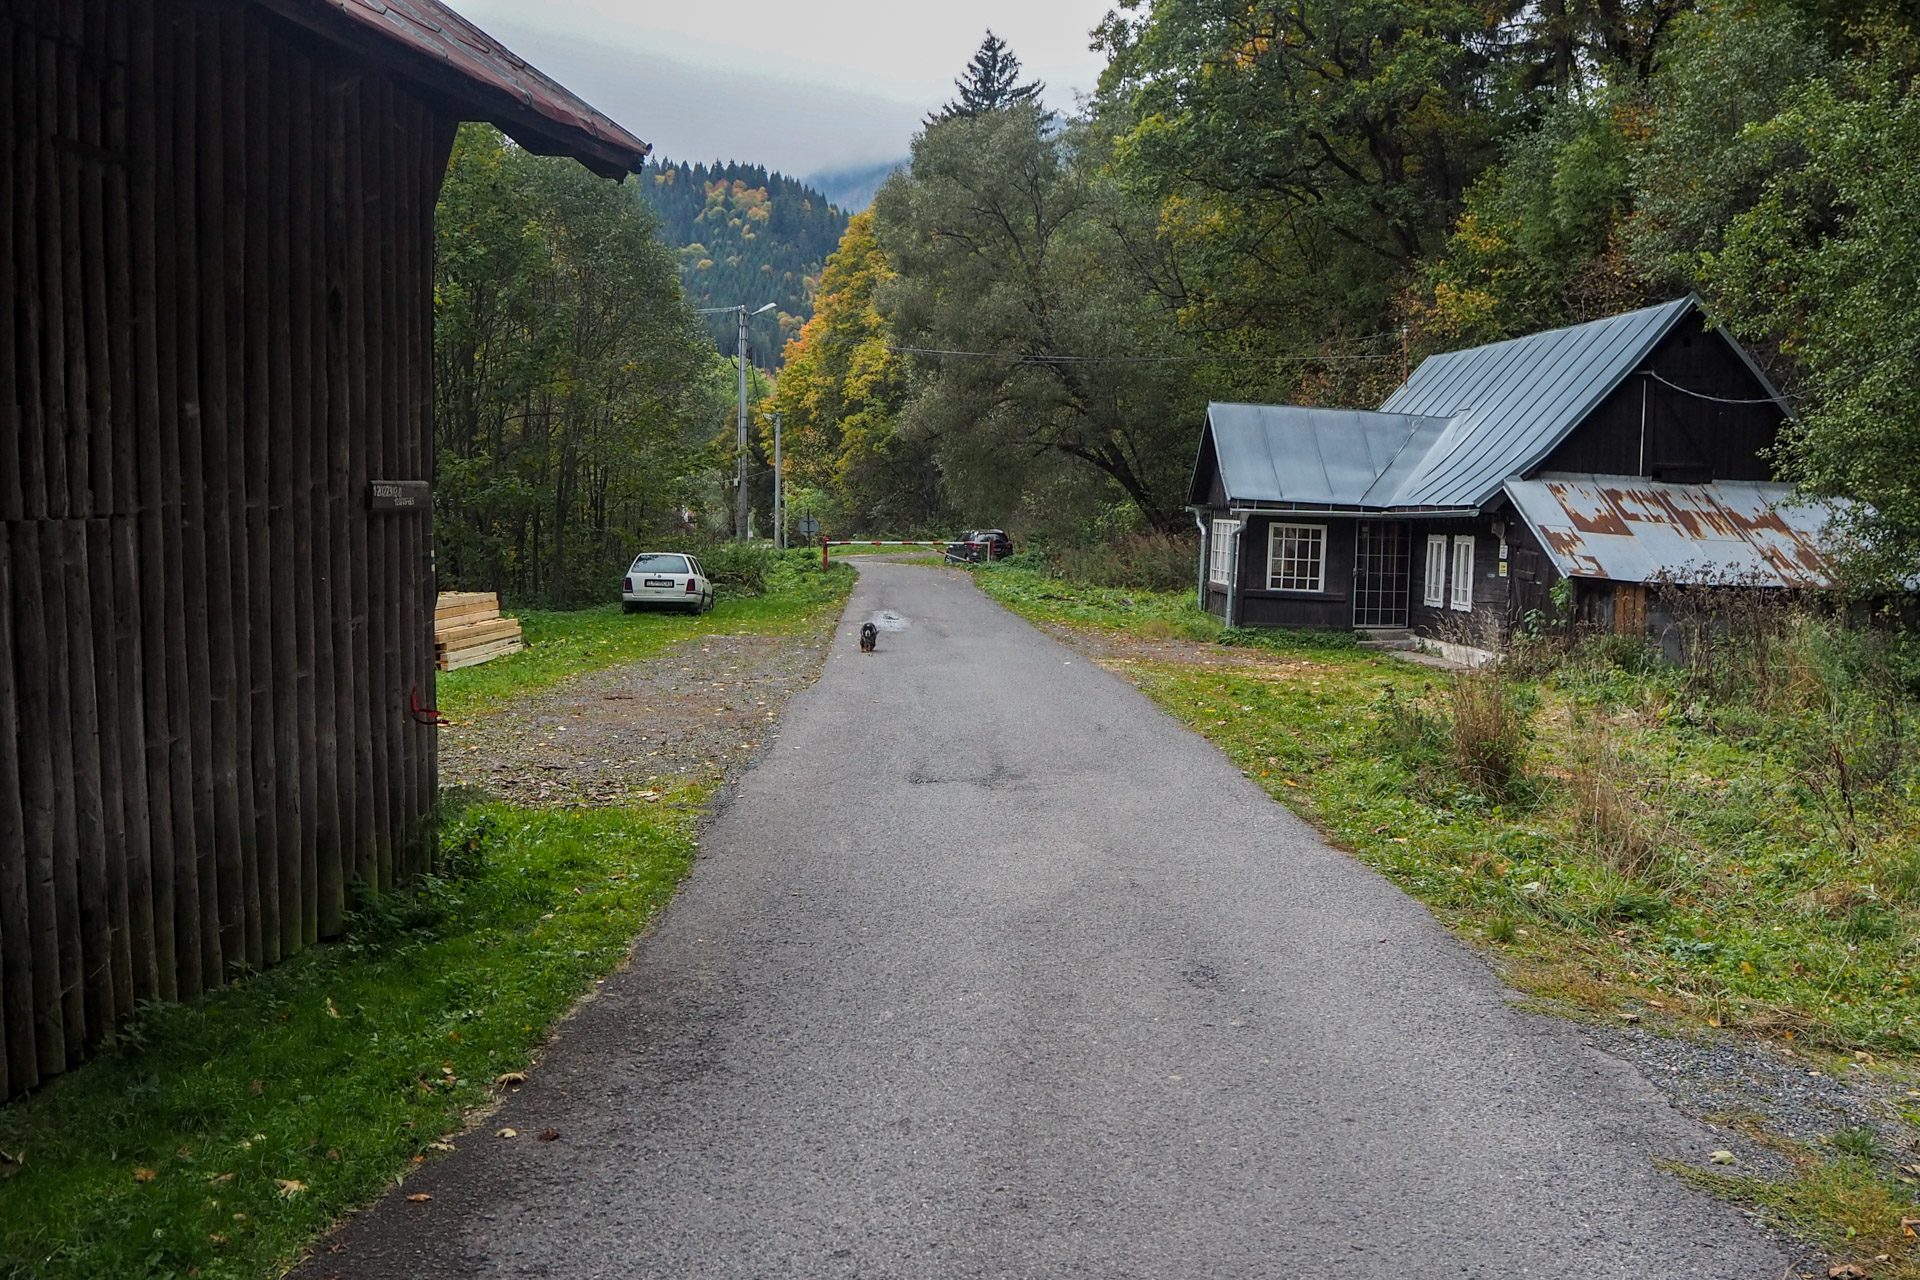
(428, 43)
(1512, 402)
(1305, 457)
(1630, 529)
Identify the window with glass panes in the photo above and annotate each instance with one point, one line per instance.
(1220, 550)
(1297, 557)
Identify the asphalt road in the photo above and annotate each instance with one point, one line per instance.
(990, 969)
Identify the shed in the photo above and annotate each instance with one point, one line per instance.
(216, 552)
(1616, 453)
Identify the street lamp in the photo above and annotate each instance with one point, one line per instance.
(740, 468)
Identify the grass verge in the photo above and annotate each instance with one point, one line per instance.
(563, 644)
(214, 1140)
(1617, 844)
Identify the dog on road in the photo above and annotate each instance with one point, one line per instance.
(869, 637)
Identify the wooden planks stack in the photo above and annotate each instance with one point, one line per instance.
(468, 630)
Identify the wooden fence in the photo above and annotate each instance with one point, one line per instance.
(215, 286)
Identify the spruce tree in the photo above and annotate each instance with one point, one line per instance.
(990, 83)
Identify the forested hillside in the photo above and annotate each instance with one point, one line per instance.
(744, 235)
(1295, 201)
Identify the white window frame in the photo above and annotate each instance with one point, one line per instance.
(1436, 584)
(1277, 534)
(1220, 543)
(1460, 598)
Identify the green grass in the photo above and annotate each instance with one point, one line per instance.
(1752, 901)
(1158, 615)
(563, 644)
(215, 1140)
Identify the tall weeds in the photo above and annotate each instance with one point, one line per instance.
(1489, 731)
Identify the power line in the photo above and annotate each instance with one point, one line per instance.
(1023, 358)
(1701, 395)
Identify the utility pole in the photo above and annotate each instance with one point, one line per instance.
(779, 493)
(740, 425)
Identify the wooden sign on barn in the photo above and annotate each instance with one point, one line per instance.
(216, 238)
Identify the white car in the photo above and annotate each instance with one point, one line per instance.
(666, 580)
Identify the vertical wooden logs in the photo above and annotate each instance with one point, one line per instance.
(201, 707)
(268, 70)
(21, 1069)
(307, 383)
(333, 555)
(250, 303)
(37, 800)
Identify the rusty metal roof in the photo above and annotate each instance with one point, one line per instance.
(478, 73)
(1630, 529)
(1512, 402)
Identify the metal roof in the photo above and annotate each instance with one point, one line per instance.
(1316, 457)
(1512, 402)
(477, 72)
(1630, 529)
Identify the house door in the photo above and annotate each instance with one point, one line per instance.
(1380, 575)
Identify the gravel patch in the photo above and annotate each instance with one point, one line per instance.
(700, 710)
(1746, 1087)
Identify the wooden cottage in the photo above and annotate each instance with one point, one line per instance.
(216, 548)
(1618, 453)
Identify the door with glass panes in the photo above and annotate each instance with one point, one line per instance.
(1380, 574)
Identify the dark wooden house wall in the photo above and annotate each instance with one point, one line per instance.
(1490, 589)
(1688, 439)
(215, 290)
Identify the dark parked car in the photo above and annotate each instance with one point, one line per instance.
(976, 545)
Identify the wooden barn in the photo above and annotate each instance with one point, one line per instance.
(1616, 454)
(216, 548)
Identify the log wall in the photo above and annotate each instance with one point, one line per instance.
(215, 329)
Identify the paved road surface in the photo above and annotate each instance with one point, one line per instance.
(992, 970)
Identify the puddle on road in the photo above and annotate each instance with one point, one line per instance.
(887, 620)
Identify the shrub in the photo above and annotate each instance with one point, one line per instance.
(1137, 561)
(741, 566)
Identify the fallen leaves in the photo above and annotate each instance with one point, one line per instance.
(506, 1133)
(549, 1135)
(510, 1077)
(1722, 1157)
(1848, 1271)
(290, 1187)
(144, 1175)
(419, 1197)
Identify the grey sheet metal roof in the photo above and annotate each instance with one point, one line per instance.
(1630, 529)
(1512, 402)
(1316, 457)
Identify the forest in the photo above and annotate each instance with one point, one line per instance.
(1295, 201)
(743, 235)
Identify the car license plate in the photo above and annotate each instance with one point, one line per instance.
(659, 582)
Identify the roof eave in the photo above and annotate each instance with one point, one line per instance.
(603, 147)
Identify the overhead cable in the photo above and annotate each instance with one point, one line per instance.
(1028, 358)
(1701, 395)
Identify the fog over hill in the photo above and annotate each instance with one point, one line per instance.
(852, 190)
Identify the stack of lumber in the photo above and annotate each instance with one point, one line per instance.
(468, 629)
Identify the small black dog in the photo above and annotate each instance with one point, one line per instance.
(869, 636)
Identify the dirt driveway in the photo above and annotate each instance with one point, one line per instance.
(699, 710)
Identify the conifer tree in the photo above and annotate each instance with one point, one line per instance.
(990, 83)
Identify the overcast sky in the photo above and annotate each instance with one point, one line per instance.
(797, 85)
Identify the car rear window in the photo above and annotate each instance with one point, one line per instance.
(658, 562)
